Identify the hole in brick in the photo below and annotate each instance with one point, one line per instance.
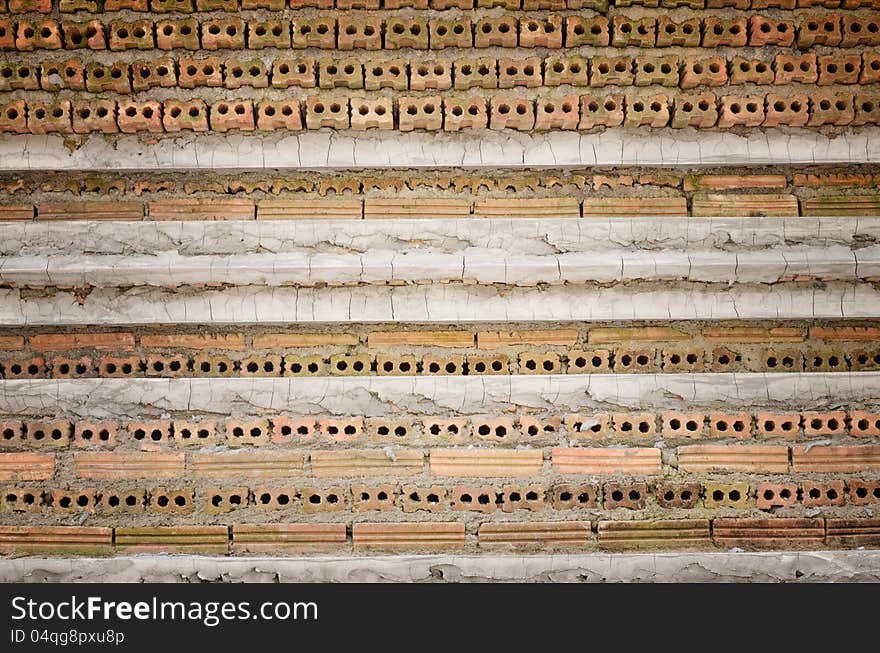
(617, 495)
(734, 495)
(466, 498)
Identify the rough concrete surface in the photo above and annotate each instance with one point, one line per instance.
(804, 567)
(329, 149)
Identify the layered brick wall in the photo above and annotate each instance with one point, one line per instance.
(565, 358)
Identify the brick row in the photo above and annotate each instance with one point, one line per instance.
(126, 341)
(373, 32)
(486, 498)
(440, 536)
(439, 113)
(190, 6)
(439, 74)
(309, 207)
(155, 434)
(854, 180)
(619, 360)
(494, 462)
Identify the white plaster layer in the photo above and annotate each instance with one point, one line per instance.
(722, 566)
(439, 303)
(516, 236)
(430, 395)
(416, 264)
(330, 149)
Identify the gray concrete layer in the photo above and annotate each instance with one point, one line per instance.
(416, 264)
(769, 566)
(516, 236)
(330, 149)
(439, 303)
(476, 395)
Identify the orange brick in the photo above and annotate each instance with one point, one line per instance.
(769, 459)
(845, 333)
(173, 539)
(663, 534)
(430, 536)
(854, 533)
(110, 465)
(605, 335)
(754, 334)
(11, 343)
(55, 540)
(26, 466)
(635, 461)
(823, 459)
(259, 465)
(769, 533)
(232, 342)
(353, 463)
(733, 182)
(68, 341)
(420, 339)
(541, 535)
(495, 339)
(486, 462)
(285, 340)
(287, 538)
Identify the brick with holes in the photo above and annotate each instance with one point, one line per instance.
(279, 114)
(863, 492)
(342, 429)
(330, 499)
(226, 115)
(741, 110)
(683, 425)
(641, 32)
(683, 34)
(499, 429)
(725, 495)
(864, 424)
(677, 495)
(588, 426)
(432, 498)
(601, 111)
(195, 433)
(788, 109)
(85, 34)
(123, 500)
(223, 34)
(465, 112)
(830, 423)
(48, 433)
(274, 498)
(694, 110)
(634, 425)
(436, 74)
(544, 32)
(819, 494)
(719, 32)
(774, 425)
(557, 113)
(500, 32)
(327, 111)
(21, 499)
(361, 32)
(567, 496)
(477, 498)
(860, 30)
(647, 110)
(632, 496)
(174, 500)
(254, 432)
(587, 30)
(136, 117)
(776, 495)
(373, 497)
(177, 34)
(223, 500)
(532, 427)
(831, 108)
(95, 433)
(522, 497)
